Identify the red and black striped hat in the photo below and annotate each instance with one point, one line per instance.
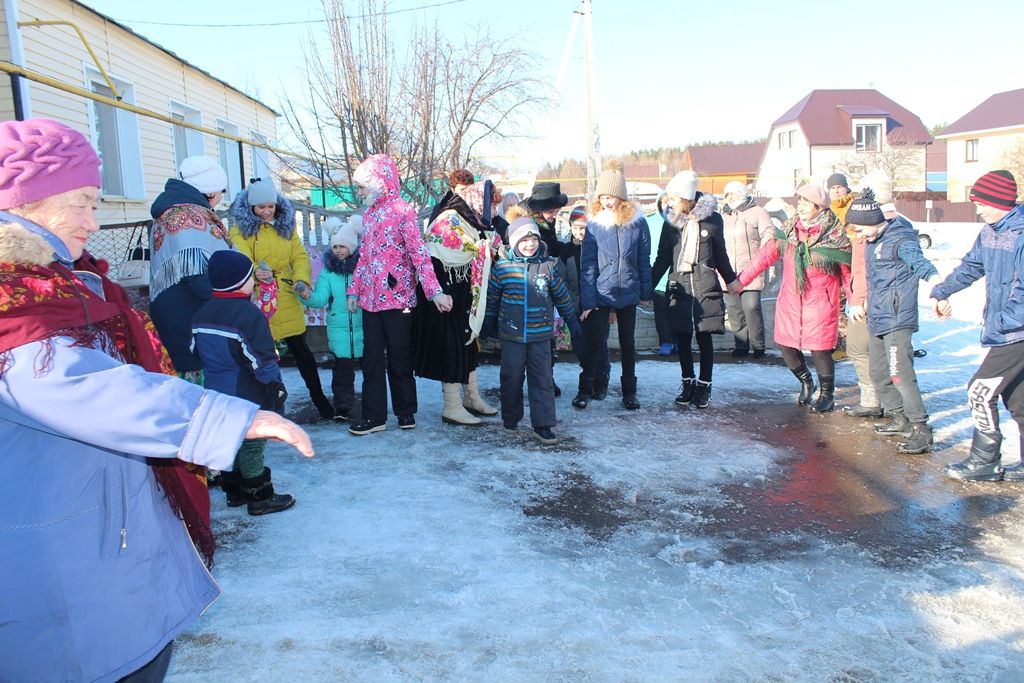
(997, 189)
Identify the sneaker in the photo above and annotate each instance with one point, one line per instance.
(665, 349)
(407, 422)
(581, 400)
(366, 427)
(758, 353)
(510, 426)
(920, 353)
(545, 435)
(341, 415)
(740, 353)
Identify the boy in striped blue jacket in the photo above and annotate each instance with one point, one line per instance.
(522, 291)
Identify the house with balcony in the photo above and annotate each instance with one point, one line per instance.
(847, 131)
(988, 137)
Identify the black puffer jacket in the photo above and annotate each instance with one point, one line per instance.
(695, 298)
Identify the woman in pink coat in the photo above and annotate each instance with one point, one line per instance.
(816, 260)
(392, 261)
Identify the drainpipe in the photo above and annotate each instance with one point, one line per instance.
(19, 87)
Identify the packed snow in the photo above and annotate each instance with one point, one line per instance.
(657, 545)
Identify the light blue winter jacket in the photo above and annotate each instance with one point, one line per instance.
(98, 574)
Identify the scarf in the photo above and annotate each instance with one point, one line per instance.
(183, 237)
(466, 257)
(705, 206)
(39, 303)
(824, 245)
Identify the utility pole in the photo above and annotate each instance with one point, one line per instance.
(593, 133)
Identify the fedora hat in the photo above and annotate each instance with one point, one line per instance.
(546, 196)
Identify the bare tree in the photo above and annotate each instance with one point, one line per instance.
(901, 160)
(428, 105)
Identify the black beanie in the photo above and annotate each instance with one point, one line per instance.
(865, 210)
(837, 179)
(228, 270)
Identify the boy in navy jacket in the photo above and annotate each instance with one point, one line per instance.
(232, 339)
(521, 293)
(894, 264)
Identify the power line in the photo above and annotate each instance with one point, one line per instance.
(292, 23)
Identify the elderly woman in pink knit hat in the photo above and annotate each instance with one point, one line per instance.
(99, 516)
(816, 256)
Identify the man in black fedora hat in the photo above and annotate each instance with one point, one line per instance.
(544, 202)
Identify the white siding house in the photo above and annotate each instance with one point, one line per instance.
(139, 153)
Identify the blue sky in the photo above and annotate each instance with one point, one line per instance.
(669, 72)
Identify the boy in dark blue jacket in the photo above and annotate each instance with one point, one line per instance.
(894, 264)
(232, 339)
(998, 256)
(521, 293)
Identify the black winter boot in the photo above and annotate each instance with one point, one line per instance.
(920, 440)
(898, 425)
(629, 393)
(863, 411)
(983, 462)
(259, 494)
(231, 485)
(323, 406)
(686, 388)
(586, 388)
(1016, 472)
(806, 385)
(826, 402)
(702, 394)
(600, 388)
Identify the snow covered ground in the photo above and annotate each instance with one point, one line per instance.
(747, 542)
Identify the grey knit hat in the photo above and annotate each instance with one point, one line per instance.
(261, 191)
(612, 181)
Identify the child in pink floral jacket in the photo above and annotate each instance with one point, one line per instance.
(392, 260)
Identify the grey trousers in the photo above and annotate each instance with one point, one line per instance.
(746, 319)
(857, 348)
(531, 362)
(892, 372)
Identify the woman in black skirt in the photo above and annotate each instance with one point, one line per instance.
(445, 346)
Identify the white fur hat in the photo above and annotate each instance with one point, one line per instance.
(683, 184)
(204, 174)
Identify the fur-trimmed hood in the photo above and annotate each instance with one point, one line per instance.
(26, 243)
(704, 208)
(607, 219)
(339, 266)
(249, 223)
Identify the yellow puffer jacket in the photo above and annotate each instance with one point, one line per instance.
(289, 260)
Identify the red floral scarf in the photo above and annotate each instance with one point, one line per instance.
(38, 303)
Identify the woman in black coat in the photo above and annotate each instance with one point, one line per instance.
(692, 250)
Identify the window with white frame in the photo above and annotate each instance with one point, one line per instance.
(260, 157)
(798, 177)
(792, 137)
(187, 142)
(782, 138)
(869, 137)
(228, 152)
(115, 132)
(972, 150)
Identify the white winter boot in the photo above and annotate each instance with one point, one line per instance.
(473, 401)
(453, 412)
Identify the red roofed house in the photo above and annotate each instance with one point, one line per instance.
(846, 131)
(717, 165)
(982, 140)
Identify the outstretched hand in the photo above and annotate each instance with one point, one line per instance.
(584, 314)
(268, 425)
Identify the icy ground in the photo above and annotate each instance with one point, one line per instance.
(746, 542)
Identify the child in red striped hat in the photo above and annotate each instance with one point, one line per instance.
(998, 256)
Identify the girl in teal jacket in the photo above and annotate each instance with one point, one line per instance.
(344, 329)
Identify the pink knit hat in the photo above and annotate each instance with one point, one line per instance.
(813, 194)
(40, 158)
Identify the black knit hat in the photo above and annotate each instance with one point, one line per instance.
(837, 179)
(997, 189)
(865, 210)
(228, 270)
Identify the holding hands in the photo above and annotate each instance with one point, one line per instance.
(857, 313)
(443, 302)
(736, 287)
(943, 309)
